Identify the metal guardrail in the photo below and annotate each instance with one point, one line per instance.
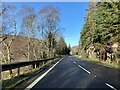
(22, 64)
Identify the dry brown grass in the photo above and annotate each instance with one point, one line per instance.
(105, 63)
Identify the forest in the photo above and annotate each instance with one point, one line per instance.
(100, 36)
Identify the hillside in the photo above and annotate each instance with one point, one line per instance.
(74, 50)
(18, 49)
(100, 36)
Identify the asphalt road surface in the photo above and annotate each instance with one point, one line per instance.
(71, 72)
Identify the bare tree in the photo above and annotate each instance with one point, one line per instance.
(50, 20)
(40, 41)
(9, 27)
(2, 11)
(28, 25)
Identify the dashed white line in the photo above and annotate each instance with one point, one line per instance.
(110, 86)
(71, 59)
(95, 75)
(42, 76)
(74, 62)
(84, 69)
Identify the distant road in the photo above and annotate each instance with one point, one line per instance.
(74, 73)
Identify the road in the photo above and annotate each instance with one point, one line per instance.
(71, 72)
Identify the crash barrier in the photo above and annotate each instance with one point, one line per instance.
(19, 65)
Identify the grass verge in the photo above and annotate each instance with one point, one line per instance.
(104, 63)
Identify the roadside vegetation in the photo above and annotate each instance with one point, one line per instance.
(100, 36)
(104, 63)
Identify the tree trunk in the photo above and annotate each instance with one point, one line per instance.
(8, 55)
(29, 50)
(35, 57)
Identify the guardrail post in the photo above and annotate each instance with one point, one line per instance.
(37, 65)
(11, 73)
(43, 64)
(18, 71)
(33, 66)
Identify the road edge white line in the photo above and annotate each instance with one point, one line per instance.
(84, 69)
(42, 76)
(110, 86)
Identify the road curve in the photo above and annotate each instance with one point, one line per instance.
(75, 73)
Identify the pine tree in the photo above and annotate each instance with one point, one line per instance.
(61, 46)
(102, 27)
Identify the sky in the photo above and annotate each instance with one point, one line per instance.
(71, 17)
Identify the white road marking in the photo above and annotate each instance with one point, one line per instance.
(84, 69)
(110, 86)
(71, 59)
(42, 76)
(74, 62)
